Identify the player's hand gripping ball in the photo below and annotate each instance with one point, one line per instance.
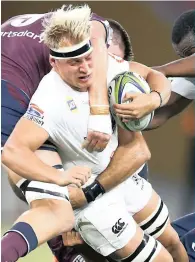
(128, 82)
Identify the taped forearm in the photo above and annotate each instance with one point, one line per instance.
(98, 90)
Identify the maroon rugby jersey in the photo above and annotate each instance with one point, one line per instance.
(24, 57)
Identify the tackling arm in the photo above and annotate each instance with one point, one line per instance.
(98, 134)
(180, 67)
(131, 154)
(98, 91)
(175, 105)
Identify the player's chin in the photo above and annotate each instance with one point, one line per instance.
(84, 84)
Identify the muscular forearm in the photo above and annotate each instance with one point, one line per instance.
(26, 164)
(173, 108)
(126, 160)
(130, 155)
(180, 67)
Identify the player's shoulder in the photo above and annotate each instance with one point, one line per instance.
(49, 79)
(46, 93)
(52, 84)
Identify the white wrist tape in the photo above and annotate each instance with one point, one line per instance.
(100, 123)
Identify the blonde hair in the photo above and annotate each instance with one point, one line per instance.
(67, 26)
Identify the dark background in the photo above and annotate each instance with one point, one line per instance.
(149, 24)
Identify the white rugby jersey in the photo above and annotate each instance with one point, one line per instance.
(184, 86)
(64, 112)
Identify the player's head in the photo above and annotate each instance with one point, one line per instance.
(183, 34)
(121, 43)
(67, 34)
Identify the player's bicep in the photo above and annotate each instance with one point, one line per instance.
(140, 69)
(27, 134)
(144, 70)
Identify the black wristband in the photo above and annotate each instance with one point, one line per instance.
(159, 96)
(92, 191)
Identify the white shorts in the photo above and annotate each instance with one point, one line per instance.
(107, 224)
(36, 190)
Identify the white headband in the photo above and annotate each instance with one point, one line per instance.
(74, 51)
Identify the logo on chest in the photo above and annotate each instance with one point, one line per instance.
(71, 104)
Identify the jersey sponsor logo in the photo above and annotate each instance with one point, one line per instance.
(71, 104)
(35, 114)
(119, 227)
(20, 21)
(35, 111)
(34, 119)
(22, 33)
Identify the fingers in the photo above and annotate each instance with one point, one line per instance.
(76, 182)
(126, 107)
(77, 175)
(132, 116)
(91, 141)
(124, 112)
(101, 145)
(82, 174)
(127, 114)
(129, 97)
(96, 141)
(91, 145)
(72, 238)
(85, 144)
(81, 177)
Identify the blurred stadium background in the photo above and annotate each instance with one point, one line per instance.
(171, 167)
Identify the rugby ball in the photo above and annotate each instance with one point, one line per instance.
(128, 82)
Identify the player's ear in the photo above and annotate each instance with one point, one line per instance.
(52, 61)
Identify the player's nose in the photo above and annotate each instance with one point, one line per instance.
(84, 68)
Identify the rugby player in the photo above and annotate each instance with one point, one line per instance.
(25, 62)
(27, 70)
(183, 93)
(111, 233)
(182, 72)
